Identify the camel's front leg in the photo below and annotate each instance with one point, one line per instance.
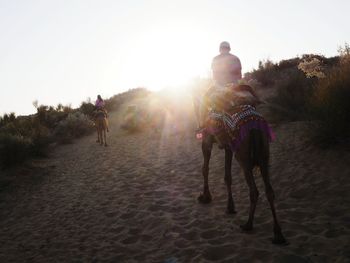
(207, 145)
(228, 180)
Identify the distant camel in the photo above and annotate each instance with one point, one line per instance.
(102, 126)
(252, 151)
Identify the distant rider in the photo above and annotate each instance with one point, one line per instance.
(99, 102)
(101, 112)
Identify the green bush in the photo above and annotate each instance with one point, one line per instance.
(75, 125)
(7, 118)
(14, 149)
(50, 117)
(15, 138)
(266, 74)
(87, 108)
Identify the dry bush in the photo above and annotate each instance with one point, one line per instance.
(331, 105)
(87, 108)
(14, 149)
(75, 125)
(113, 103)
(292, 97)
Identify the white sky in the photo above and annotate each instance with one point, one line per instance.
(66, 51)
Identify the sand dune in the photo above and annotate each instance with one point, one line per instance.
(136, 201)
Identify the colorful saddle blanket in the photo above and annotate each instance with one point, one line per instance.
(237, 125)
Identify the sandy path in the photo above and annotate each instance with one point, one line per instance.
(135, 201)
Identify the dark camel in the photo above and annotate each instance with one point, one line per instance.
(253, 152)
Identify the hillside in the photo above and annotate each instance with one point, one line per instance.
(136, 201)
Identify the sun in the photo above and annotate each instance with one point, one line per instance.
(166, 57)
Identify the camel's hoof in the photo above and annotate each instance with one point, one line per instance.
(279, 240)
(204, 199)
(246, 227)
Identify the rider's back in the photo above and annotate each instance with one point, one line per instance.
(226, 69)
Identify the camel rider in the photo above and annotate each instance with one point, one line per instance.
(99, 102)
(101, 112)
(226, 67)
(227, 70)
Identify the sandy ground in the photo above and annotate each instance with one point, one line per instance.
(136, 201)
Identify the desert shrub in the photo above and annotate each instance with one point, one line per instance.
(75, 125)
(330, 104)
(288, 63)
(266, 74)
(135, 119)
(14, 149)
(113, 103)
(50, 117)
(41, 137)
(292, 97)
(87, 108)
(7, 118)
(30, 127)
(312, 67)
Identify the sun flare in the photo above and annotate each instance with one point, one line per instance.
(167, 58)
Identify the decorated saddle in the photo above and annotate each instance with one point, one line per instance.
(230, 120)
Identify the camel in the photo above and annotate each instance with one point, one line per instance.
(102, 126)
(253, 151)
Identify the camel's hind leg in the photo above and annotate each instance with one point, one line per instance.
(207, 145)
(100, 136)
(278, 236)
(105, 137)
(105, 128)
(228, 181)
(98, 132)
(253, 195)
(243, 156)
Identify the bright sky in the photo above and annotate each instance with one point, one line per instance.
(65, 51)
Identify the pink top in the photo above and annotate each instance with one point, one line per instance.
(99, 103)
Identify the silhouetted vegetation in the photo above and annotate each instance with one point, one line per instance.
(330, 104)
(29, 136)
(312, 88)
(113, 103)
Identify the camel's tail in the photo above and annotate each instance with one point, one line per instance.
(259, 148)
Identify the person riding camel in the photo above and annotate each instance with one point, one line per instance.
(99, 102)
(227, 97)
(227, 75)
(100, 110)
(226, 67)
(227, 71)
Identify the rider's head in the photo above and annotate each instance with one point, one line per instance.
(99, 97)
(224, 47)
